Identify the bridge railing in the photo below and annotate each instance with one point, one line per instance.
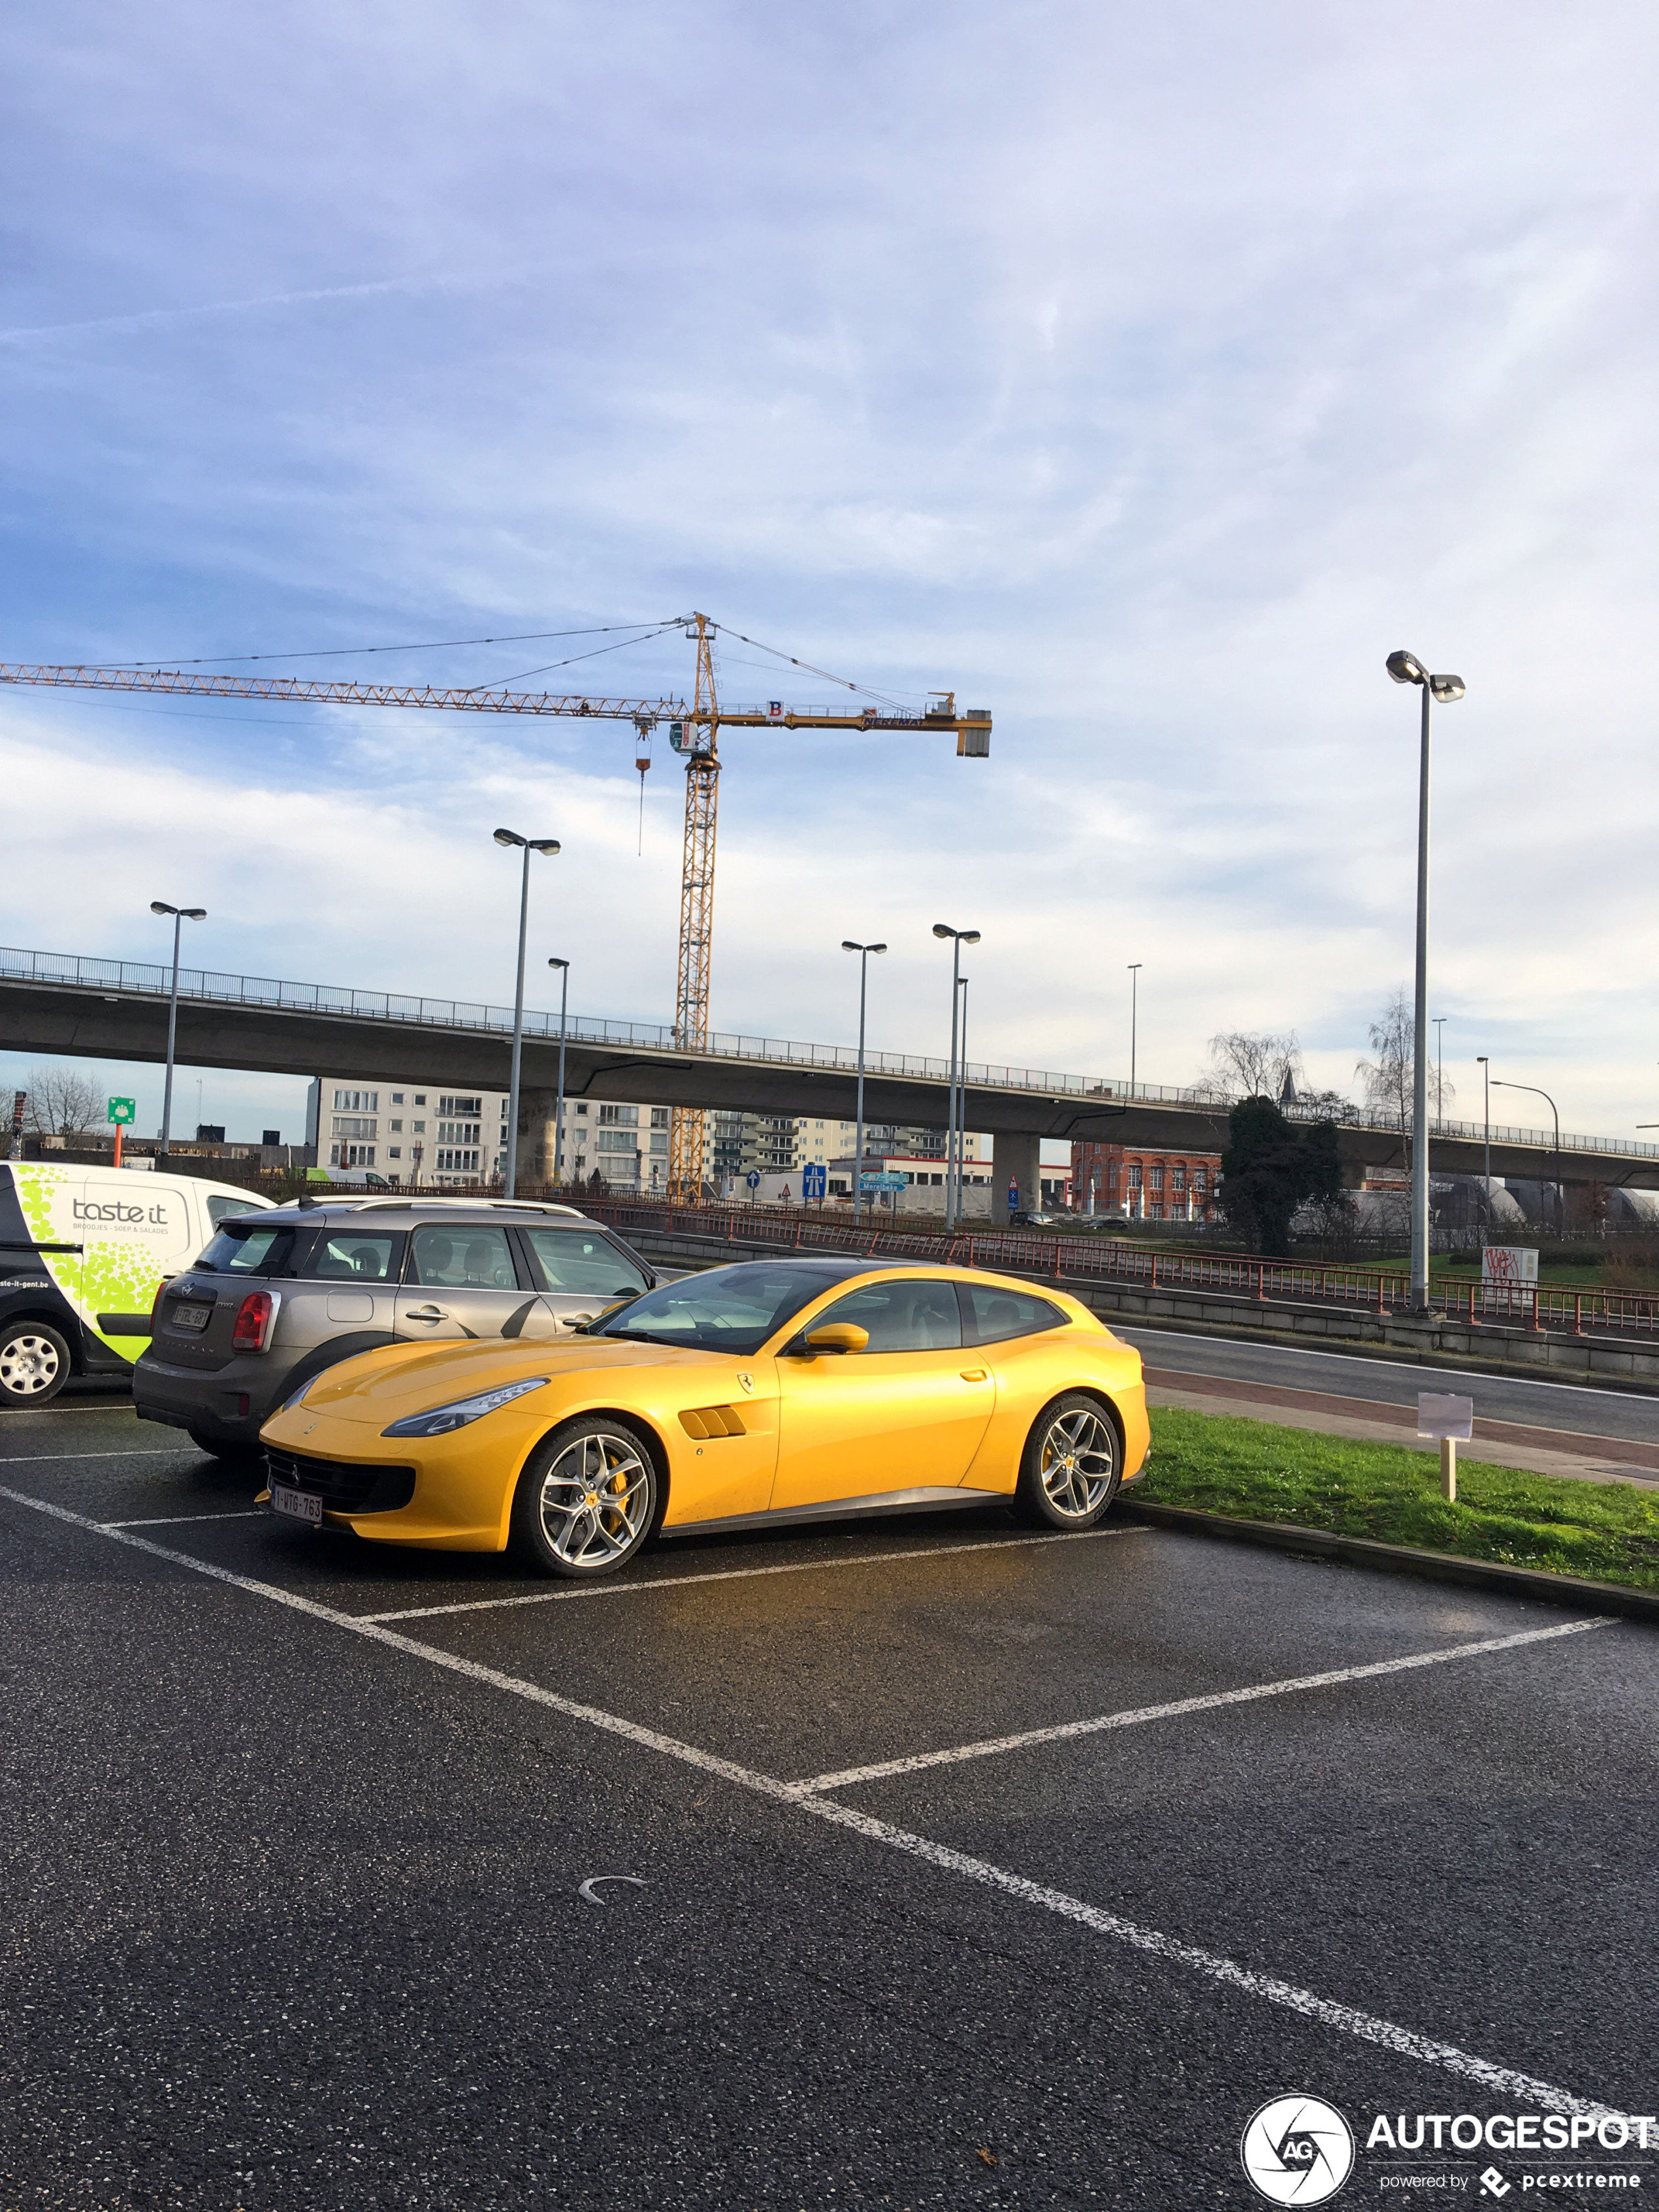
(211, 986)
(1083, 1259)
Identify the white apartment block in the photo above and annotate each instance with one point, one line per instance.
(439, 1137)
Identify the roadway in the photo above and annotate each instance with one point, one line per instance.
(963, 1866)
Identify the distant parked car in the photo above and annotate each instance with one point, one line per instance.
(274, 1300)
(1027, 1219)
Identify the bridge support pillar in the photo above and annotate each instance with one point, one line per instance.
(1016, 1161)
(536, 1136)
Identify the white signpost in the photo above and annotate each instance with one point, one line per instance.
(1450, 1421)
(1509, 1277)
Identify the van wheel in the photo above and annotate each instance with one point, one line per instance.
(34, 1364)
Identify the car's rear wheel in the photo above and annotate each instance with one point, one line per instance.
(34, 1364)
(1073, 1464)
(587, 1500)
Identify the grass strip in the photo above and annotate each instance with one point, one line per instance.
(1605, 1531)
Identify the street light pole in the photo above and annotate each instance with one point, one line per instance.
(528, 845)
(1406, 668)
(563, 967)
(1135, 967)
(1559, 1194)
(180, 915)
(962, 1101)
(849, 945)
(959, 937)
(1485, 1065)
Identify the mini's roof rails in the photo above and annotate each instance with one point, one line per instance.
(489, 1205)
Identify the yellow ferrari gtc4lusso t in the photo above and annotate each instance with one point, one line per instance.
(770, 1392)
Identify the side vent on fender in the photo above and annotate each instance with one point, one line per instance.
(712, 1421)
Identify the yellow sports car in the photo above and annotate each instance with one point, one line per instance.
(770, 1392)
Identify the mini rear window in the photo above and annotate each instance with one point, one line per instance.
(243, 1247)
(992, 1316)
(357, 1255)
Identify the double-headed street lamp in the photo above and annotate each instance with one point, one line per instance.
(563, 967)
(180, 915)
(528, 845)
(952, 1135)
(1406, 668)
(848, 945)
(1559, 1209)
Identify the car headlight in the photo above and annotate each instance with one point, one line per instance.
(294, 1396)
(439, 1421)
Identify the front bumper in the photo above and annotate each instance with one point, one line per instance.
(448, 1493)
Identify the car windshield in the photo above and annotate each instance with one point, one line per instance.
(728, 1310)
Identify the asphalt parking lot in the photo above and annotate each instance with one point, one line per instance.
(966, 1866)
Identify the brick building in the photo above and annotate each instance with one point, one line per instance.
(1139, 1185)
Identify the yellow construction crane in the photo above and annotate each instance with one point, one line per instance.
(693, 731)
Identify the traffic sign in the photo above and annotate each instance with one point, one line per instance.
(813, 1179)
(753, 1178)
(881, 1182)
(120, 1111)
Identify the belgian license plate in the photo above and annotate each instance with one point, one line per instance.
(298, 1505)
(191, 1317)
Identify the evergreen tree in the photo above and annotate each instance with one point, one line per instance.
(1270, 1168)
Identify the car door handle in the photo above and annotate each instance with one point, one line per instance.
(425, 1313)
(973, 1373)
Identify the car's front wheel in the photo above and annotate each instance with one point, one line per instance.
(1069, 1475)
(34, 1364)
(587, 1499)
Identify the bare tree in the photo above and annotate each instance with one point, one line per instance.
(62, 1103)
(1252, 1064)
(1389, 1079)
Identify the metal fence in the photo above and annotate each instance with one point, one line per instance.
(212, 988)
(1100, 1259)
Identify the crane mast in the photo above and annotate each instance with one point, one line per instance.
(693, 731)
(688, 1126)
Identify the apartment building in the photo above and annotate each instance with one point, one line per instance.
(421, 1133)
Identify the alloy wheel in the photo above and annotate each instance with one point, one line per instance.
(596, 1500)
(1077, 1463)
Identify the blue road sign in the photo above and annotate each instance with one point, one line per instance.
(753, 1178)
(881, 1182)
(813, 1179)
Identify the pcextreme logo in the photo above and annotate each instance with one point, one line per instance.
(1297, 2150)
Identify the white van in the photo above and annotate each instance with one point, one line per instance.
(78, 1243)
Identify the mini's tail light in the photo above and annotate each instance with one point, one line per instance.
(161, 1290)
(251, 1331)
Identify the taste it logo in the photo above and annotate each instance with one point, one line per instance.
(1297, 2150)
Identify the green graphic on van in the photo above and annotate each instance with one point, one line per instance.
(132, 1232)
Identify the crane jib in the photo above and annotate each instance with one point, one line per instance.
(480, 700)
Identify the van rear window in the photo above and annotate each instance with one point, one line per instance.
(241, 1248)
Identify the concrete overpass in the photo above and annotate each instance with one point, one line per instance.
(72, 1005)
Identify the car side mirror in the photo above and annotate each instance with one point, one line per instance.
(834, 1336)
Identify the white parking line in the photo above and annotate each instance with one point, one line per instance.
(1367, 2027)
(74, 1459)
(724, 1574)
(991, 1746)
(176, 1520)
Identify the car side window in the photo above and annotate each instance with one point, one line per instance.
(900, 1317)
(219, 1208)
(992, 1316)
(354, 1256)
(577, 1261)
(459, 1257)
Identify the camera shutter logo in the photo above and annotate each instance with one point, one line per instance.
(1297, 2150)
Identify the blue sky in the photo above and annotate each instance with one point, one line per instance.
(1146, 375)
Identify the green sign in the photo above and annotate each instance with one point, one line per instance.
(121, 1109)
